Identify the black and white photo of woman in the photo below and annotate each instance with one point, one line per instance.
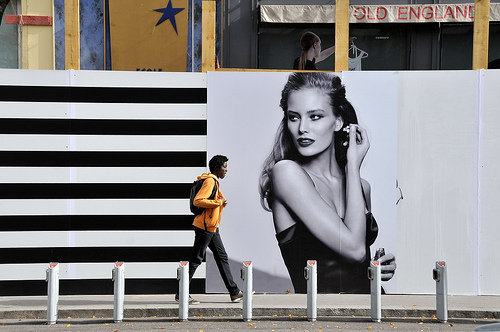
(311, 181)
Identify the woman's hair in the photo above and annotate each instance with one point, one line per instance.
(284, 147)
(306, 42)
(216, 162)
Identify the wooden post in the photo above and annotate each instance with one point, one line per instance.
(37, 31)
(481, 34)
(72, 34)
(208, 36)
(341, 35)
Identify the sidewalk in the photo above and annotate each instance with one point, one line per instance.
(136, 306)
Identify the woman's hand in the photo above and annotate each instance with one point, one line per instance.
(358, 145)
(387, 266)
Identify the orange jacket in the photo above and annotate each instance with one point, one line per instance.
(213, 207)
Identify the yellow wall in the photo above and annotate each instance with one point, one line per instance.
(138, 43)
(37, 41)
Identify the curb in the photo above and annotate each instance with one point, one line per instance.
(229, 312)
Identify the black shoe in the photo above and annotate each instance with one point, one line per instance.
(237, 297)
(191, 300)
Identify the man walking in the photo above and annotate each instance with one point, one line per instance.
(206, 228)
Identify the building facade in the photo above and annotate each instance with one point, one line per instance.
(390, 34)
(440, 39)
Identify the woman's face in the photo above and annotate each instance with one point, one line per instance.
(310, 121)
(317, 48)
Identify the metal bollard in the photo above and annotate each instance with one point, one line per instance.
(52, 278)
(247, 276)
(375, 277)
(440, 276)
(183, 277)
(311, 275)
(118, 277)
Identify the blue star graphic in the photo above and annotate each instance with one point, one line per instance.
(169, 14)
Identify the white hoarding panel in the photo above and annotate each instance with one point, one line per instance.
(489, 164)
(437, 173)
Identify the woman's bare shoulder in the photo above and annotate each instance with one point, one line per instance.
(290, 176)
(286, 165)
(286, 169)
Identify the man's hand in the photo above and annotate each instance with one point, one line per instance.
(224, 200)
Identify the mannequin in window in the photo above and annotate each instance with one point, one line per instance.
(355, 55)
(311, 52)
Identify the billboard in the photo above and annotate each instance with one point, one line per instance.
(243, 117)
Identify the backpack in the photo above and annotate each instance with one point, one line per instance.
(194, 191)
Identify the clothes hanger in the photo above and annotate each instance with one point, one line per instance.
(357, 51)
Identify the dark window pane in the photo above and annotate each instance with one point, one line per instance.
(456, 46)
(494, 46)
(386, 45)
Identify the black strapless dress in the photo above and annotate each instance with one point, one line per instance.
(335, 275)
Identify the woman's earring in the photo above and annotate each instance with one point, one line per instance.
(346, 129)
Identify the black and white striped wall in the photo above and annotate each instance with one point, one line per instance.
(95, 167)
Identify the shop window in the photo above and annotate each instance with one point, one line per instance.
(9, 36)
(457, 44)
(385, 45)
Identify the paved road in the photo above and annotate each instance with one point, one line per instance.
(221, 324)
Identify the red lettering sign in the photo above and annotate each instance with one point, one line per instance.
(436, 14)
(376, 263)
(184, 264)
(449, 12)
(311, 263)
(53, 265)
(359, 13)
(463, 13)
(412, 13)
(470, 11)
(442, 264)
(427, 13)
(247, 263)
(368, 14)
(381, 10)
(415, 12)
(402, 12)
